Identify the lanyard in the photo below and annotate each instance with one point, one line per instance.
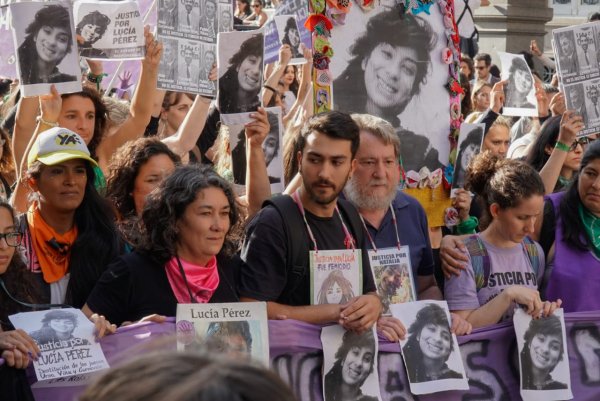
(394, 222)
(192, 299)
(348, 240)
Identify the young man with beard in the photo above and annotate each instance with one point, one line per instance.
(391, 217)
(270, 272)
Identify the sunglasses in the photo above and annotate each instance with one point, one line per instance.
(255, 5)
(583, 141)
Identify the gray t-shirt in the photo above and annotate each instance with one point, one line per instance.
(508, 267)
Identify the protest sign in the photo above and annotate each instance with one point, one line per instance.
(297, 8)
(393, 276)
(470, 140)
(69, 351)
(237, 329)
(44, 36)
(430, 350)
(289, 34)
(109, 30)
(335, 276)
(519, 91)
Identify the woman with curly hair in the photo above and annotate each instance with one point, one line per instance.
(48, 40)
(291, 37)
(239, 87)
(89, 30)
(188, 222)
(429, 346)
(542, 351)
(354, 362)
(135, 170)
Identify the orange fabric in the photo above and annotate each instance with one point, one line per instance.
(53, 250)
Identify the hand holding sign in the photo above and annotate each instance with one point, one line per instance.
(50, 105)
(153, 50)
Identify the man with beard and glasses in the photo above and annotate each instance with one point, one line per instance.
(392, 218)
(272, 270)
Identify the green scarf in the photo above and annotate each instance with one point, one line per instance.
(592, 228)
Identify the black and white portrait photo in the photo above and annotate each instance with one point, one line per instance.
(168, 13)
(241, 65)
(287, 28)
(543, 358)
(430, 350)
(389, 65)
(469, 144)
(46, 52)
(208, 20)
(272, 149)
(520, 90)
(585, 44)
(564, 43)
(208, 58)
(90, 29)
(189, 16)
(575, 100)
(225, 17)
(58, 325)
(167, 69)
(189, 69)
(349, 365)
(592, 100)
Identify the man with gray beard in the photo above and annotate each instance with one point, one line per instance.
(391, 218)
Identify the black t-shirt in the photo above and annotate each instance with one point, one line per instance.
(152, 127)
(135, 286)
(264, 273)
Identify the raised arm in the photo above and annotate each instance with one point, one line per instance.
(141, 108)
(258, 188)
(188, 133)
(303, 88)
(27, 111)
(285, 54)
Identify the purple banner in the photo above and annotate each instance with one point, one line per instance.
(489, 355)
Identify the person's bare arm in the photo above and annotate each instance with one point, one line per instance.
(570, 124)
(258, 188)
(27, 111)
(141, 108)
(303, 87)
(427, 288)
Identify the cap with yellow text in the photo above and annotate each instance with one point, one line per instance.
(58, 145)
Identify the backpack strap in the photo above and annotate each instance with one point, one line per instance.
(480, 260)
(531, 250)
(297, 243)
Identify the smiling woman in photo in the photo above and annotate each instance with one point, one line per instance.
(89, 30)
(240, 85)
(520, 83)
(429, 346)
(542, 351)
(292, 37)
(354, 362)
(48, 40)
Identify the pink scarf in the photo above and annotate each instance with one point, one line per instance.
(202, 280)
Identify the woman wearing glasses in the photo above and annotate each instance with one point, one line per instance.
(258, 16)
(556, 153)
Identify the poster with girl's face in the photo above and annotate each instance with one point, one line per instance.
(287, 29)
(543, 358)
(469, 145)
(240, 62)
(349, 365)
(430, 350)
(44, 36)
(389, 64)
(519, 92)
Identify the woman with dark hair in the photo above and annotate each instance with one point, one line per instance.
(243, 9)
(520, 83)
(429, 346)
(354, 362)
(465, 99)
(258, 16)
(188, 221)
(335, 289)
(467, 67)
(69, 234)
(542, 351)
(291, 37)
(48, 40)
(232, 338)
(136, 169)
(511, 193)
(469, 147)
(89, 30)
(386, 70)
(557, 164)
(240, 85)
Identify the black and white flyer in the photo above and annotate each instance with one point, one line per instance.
(520, 90)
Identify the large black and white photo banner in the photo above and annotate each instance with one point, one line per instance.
(430, 350)
(109, 29)
(470, 140)
(44, 37)
(388, 64)
(543, 357)
(520, 90)
(240, 62)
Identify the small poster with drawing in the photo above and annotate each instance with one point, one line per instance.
(335, 276)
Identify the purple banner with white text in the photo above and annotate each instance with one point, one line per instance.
(489, 355)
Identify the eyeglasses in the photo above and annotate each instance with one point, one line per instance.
(255, 5)
(12, 239)
(583, 141)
